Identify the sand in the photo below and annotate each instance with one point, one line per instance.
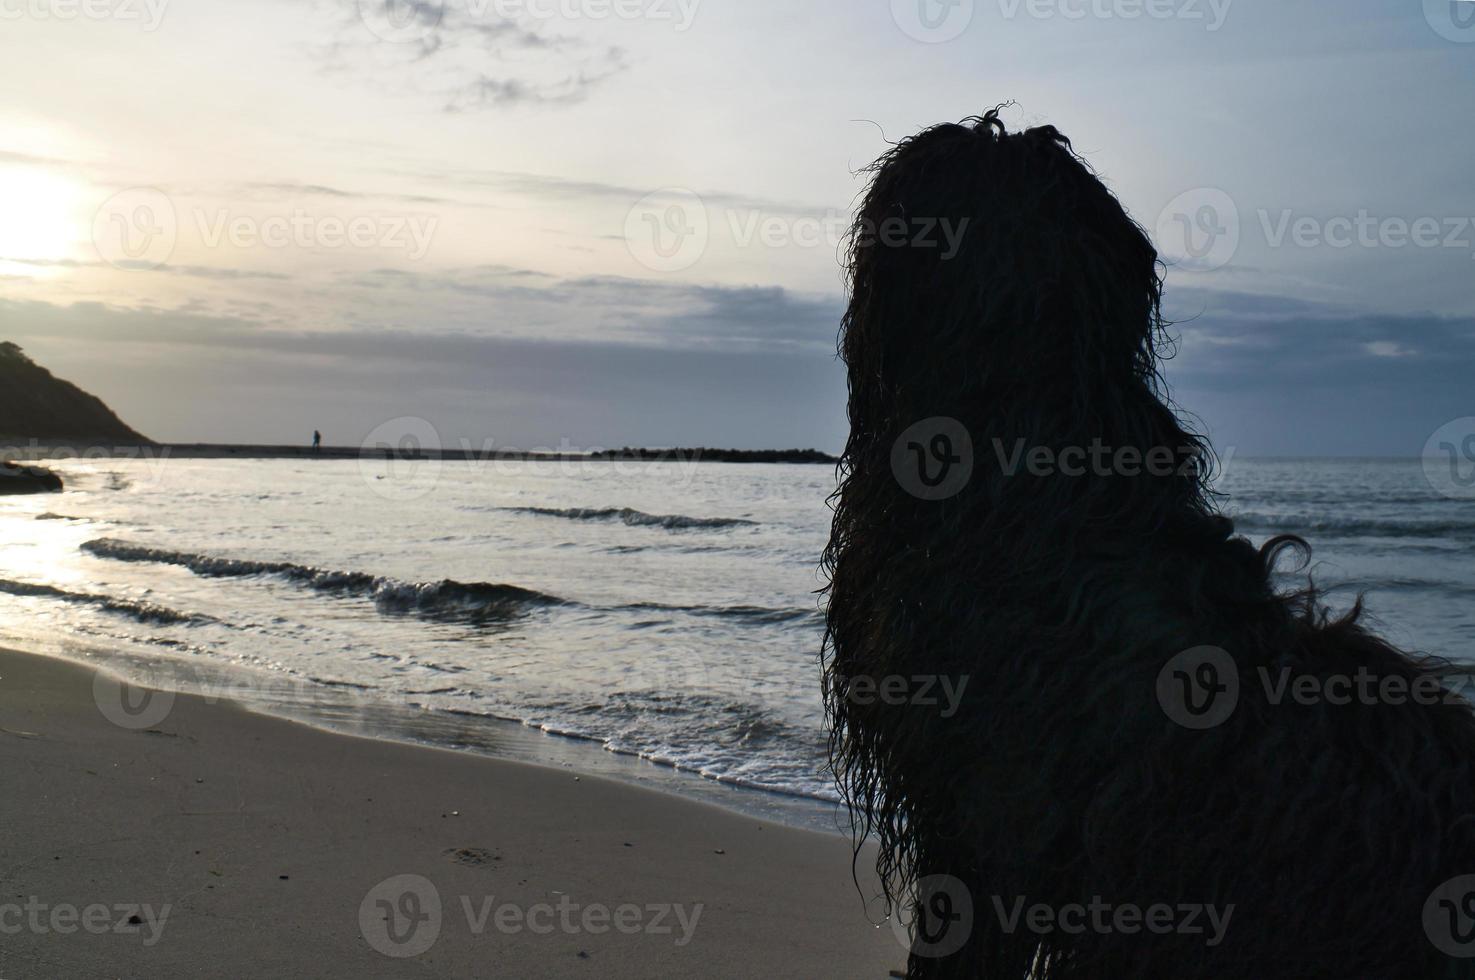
(222, 843)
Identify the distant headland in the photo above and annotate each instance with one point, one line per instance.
(627, 454)
(44, 417)
(36, 405)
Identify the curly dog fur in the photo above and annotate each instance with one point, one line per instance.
(1059, 598)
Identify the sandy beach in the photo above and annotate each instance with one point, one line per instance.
(222, 843)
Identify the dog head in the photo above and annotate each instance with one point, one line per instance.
(994, 265)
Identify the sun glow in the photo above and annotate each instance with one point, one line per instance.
(38, 215)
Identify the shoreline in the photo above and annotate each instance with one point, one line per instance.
(267, 839)
(496, 727)
(102, 449)
(371, 714)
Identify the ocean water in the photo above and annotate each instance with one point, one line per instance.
(664, 612)
(661, 610)
(1378, 528)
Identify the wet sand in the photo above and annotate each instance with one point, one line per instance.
(246, 846)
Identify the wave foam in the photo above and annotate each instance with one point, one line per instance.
(446, 600)
(144, 612)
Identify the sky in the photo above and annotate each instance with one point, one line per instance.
(582, 224)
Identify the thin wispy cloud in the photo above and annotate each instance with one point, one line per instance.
(556, 188)
(466, 56)
(487, 91)
(194, 271)
(291, 190)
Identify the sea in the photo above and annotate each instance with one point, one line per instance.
(658, 622)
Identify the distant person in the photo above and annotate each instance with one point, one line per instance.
(1069, 701)
(317, 440)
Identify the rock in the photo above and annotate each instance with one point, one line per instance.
(17, 478)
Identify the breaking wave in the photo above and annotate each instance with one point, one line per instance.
(446, 600)
(143, 612)
(752, 614)
(635, 518)
(1372, 527)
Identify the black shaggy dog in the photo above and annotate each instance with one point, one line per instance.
(1157, 765)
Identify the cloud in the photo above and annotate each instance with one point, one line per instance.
(616, 309)
(530, 359)
(195, 271)
(183, 376)
(443, 50)
(293, 190)
(30, 160)
(1253, 340)
(379, 277)
(549, 187)
(1285, 376)
(1387, 348)
(487, 91)
(512, 302)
